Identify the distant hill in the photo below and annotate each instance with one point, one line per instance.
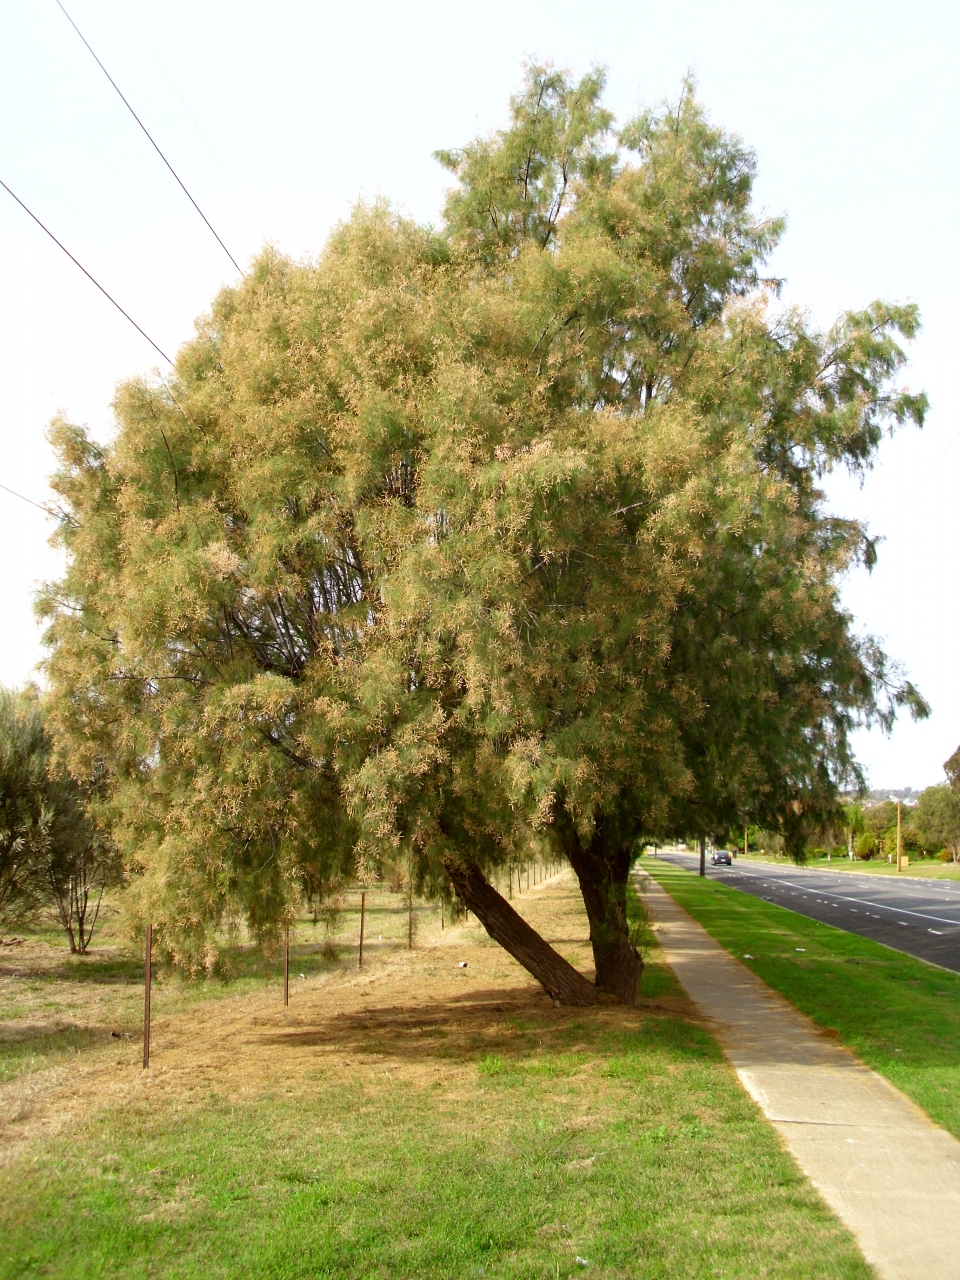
(906, 794)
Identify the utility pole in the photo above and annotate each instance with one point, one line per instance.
(899, 839)
(363, 913)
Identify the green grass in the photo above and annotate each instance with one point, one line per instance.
(919, 868)
(900, 1015)
(508, 1149)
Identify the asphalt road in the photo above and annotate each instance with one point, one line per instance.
(920, 917)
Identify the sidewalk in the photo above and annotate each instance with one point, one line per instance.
(890, 1175)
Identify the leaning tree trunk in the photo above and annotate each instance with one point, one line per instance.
(602, 867)
(558, 978)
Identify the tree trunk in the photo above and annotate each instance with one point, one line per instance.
(703, 856)
(602, 868)
(558, 978)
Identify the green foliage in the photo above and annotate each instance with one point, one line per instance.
(880, 818)
(937, 819)
(854, 820)
(457, 538)
(27, 817)
(51, 854)
(866, 845)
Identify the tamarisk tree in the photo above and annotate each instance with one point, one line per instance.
(465, 537)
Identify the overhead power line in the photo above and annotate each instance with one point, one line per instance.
(206, 140)
(7, 489)
(150, 139)
(125, 314)
(939, 459)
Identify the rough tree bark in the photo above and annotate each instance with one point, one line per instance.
(602, 867)
(558, 978)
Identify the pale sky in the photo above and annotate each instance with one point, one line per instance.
(279, 117)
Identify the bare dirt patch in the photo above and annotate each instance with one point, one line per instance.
(417, 1014)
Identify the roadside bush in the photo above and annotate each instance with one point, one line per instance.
(866, 846)
(945, 855)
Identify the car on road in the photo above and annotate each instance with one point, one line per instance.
(721, 857)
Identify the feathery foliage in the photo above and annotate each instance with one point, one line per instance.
(465, 537)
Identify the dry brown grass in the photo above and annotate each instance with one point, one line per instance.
(416, 1013)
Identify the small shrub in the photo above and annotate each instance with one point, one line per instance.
(329, 950)
(945, 855)
(866, 846)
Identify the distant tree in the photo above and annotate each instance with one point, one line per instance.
(910, 838)
(854, 823)
(878, 819)
(466, 536)
(27, 818)
(951, 768)
(867, 845)
(51, 855)
(937, 819)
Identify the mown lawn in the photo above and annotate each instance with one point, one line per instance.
(918, 868)
(606, 1143)
(900, 1015)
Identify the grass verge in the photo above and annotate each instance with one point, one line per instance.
(918, 869)
(503, 1139)
(898, 1014)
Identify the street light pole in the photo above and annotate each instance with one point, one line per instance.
(899, 839)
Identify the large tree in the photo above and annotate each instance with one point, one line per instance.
(467, 537)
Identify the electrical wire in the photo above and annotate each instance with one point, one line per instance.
(150, 139)
(207, 143)
(7, 489)
(125, 314)
(939, 459)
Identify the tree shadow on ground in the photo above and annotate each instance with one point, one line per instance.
(517, 1027)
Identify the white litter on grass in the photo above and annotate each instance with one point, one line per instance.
(581, 1262)
(746, 956)
(462, 964)
(799, 948)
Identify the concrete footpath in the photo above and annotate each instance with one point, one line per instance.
(884, 1168)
